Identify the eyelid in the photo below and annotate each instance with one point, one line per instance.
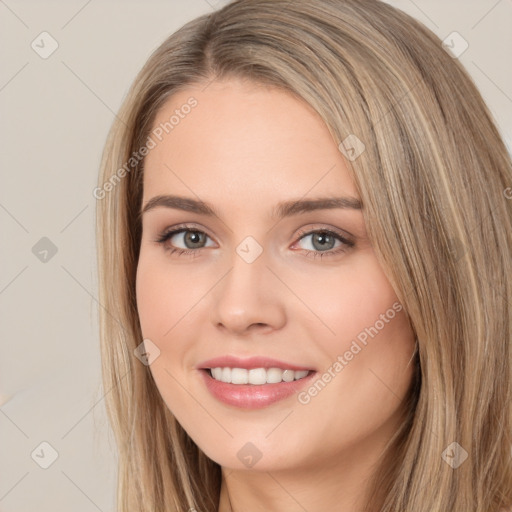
(345, 235)
(183, 227)
(302, 231)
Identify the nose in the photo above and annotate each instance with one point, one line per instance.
(248, 299)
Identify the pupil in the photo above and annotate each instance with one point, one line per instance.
(323, 239)
(193, 237)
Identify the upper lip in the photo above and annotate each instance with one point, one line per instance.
(249, 363)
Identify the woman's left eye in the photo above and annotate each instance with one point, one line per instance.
(322, 242)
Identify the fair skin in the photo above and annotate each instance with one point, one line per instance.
(243, 149)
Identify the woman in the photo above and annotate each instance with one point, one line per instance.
(304, 227)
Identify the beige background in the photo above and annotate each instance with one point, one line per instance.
(56, 112)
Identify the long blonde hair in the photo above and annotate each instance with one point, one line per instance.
(434, 180)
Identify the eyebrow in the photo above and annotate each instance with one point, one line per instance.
(281, 210)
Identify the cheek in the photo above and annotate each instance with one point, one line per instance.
(164, 304)
(352, 302)
(368, 328)
(164, 295)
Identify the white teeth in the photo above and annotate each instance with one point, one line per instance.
(274, 375)
(256, 376)
(288, 375)
(239, 376)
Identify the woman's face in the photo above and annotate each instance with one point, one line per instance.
(267, 275)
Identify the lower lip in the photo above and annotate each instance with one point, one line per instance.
(250, 396)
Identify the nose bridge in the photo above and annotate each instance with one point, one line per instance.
(247, 279)
(246, 295)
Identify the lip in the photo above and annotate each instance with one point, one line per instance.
(249, 396)
(249, 363)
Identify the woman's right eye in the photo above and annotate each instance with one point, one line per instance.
(190, 239)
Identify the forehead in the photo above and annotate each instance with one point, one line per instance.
(248, 141)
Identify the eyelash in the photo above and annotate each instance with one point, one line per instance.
(166, 235)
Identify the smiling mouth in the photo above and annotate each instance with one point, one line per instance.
(256, 376)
